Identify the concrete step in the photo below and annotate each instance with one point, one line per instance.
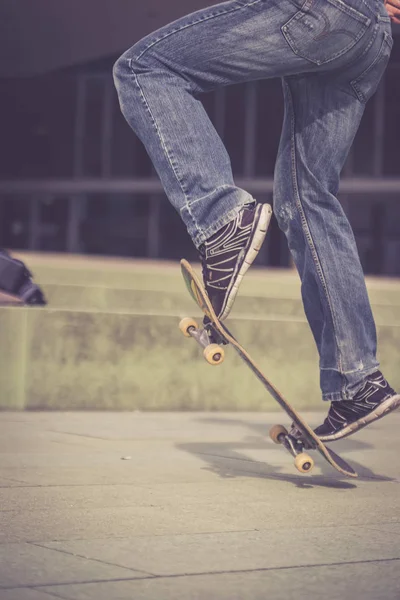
(109, 284)
(74, 359)
(146, 275)
(130, 300)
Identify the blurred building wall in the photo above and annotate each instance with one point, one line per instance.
(75, 177)
(41, 35)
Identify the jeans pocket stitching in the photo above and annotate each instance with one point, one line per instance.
(302, 13)
(355, 82)
(351, 11)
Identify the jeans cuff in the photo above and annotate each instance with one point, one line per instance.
(332, 397)
(205, 234)
(352, 382)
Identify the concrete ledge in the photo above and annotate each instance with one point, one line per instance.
(65, 360)
(131, 300)
(141, 274)
(109, 340)
(13, 358)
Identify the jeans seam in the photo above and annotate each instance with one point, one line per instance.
(163, 144)
(350, 372)
(201, 20)
(344, 395)
(306, 228)
(331, 58)
(219, 187)
(366, 370)
(367, 6)
(352, 12)
(140, 55)
(187, 25)
(355, 82)
(332, 397)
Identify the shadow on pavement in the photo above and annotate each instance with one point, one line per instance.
(229, 459)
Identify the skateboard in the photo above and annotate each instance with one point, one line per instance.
(212, 338)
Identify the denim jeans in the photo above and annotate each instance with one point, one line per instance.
(330, 55)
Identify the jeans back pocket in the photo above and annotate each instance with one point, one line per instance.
(323, 30)
(366, 84)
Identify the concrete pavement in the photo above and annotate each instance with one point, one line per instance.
(162, 506)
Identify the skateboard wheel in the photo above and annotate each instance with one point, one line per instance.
(186, 324)
(277, 433)
(303, 463)
(214, 354)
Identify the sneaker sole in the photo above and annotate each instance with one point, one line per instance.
(382, 410)
(261, 223)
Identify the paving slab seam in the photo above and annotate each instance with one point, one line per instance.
(103, 562)
(39, 586)
(86, 485)
(283, 568)
(43, 543)
(51, 594)
(234, 458)
(122, 440)
(12, 480)
(375, 529)
(323, 480)
(206, 573)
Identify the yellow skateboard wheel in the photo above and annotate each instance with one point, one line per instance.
(186, 324)
(303, 463)
(214, 354)
(276, 432)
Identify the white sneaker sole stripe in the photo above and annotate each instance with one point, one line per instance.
(256, 242)
(388, 406)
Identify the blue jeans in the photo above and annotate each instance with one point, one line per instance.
(330, 55)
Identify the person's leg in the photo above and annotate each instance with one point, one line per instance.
(158, 81)
(322, 115)
(319, 127)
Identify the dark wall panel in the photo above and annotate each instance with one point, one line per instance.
(40, 35)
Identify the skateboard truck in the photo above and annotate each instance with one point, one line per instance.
(213, 335)
(295, 445)
(212, 352)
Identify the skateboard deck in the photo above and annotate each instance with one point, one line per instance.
(214, 354)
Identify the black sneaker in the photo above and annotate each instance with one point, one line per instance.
(375, 400)
(16, 282)
(227, 255)
(31, 294)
